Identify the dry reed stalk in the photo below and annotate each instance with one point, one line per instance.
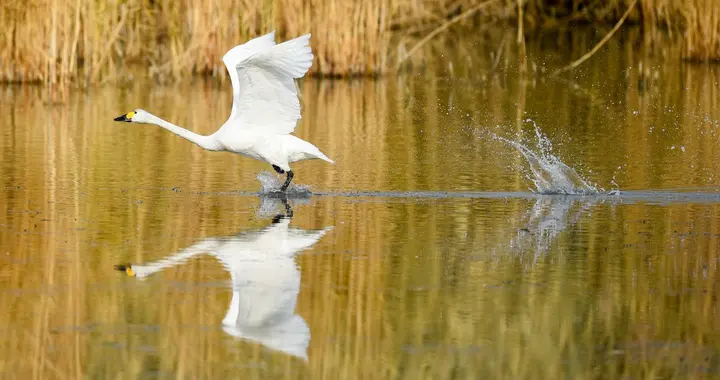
(702, 30)
(466, 14)
(349, 38)
(602, 42)
(86, 42)
(521, 36)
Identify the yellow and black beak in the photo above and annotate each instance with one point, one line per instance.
(127, 268)
(127, 117)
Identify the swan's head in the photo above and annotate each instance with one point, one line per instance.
(139, 271)
(127, 268)
(137, 116)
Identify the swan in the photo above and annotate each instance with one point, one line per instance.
(265, 107)
(265, 282)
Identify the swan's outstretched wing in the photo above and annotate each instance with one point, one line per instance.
(240, 53)
(266, 99)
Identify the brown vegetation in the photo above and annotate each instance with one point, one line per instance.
(79, 41)
(372, 305)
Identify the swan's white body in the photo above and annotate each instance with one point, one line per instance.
(265, 107)
(265, 283)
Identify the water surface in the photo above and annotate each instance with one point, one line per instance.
(424, 252)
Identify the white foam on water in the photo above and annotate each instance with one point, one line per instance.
(548, 173)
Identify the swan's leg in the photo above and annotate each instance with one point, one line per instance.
(278, 170)
(287, 181)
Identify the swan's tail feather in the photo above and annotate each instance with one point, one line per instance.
(300, 150)
(323, 157)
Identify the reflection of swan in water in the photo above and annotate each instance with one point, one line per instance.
(265, 282)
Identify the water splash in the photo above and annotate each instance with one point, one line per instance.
(270, 185)
(272, 206)
(548, 218)
(549, 174)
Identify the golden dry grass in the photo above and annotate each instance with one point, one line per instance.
(375, 309)
(85, 42)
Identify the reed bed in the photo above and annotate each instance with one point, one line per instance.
(402, 290)
(87, 42)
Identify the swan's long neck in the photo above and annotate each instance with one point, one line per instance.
(205, 246)
(206, 142)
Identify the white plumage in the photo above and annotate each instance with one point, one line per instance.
(265, 282)
(265, 107)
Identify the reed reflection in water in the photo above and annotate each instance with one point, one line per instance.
(408, 287)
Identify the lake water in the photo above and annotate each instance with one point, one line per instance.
(424, 253)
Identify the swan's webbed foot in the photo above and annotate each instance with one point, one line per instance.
(287, 180)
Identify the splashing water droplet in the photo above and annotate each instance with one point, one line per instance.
(549, 174)
(271, 184)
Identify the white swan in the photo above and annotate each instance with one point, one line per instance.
(265, 106)
(265, 282)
